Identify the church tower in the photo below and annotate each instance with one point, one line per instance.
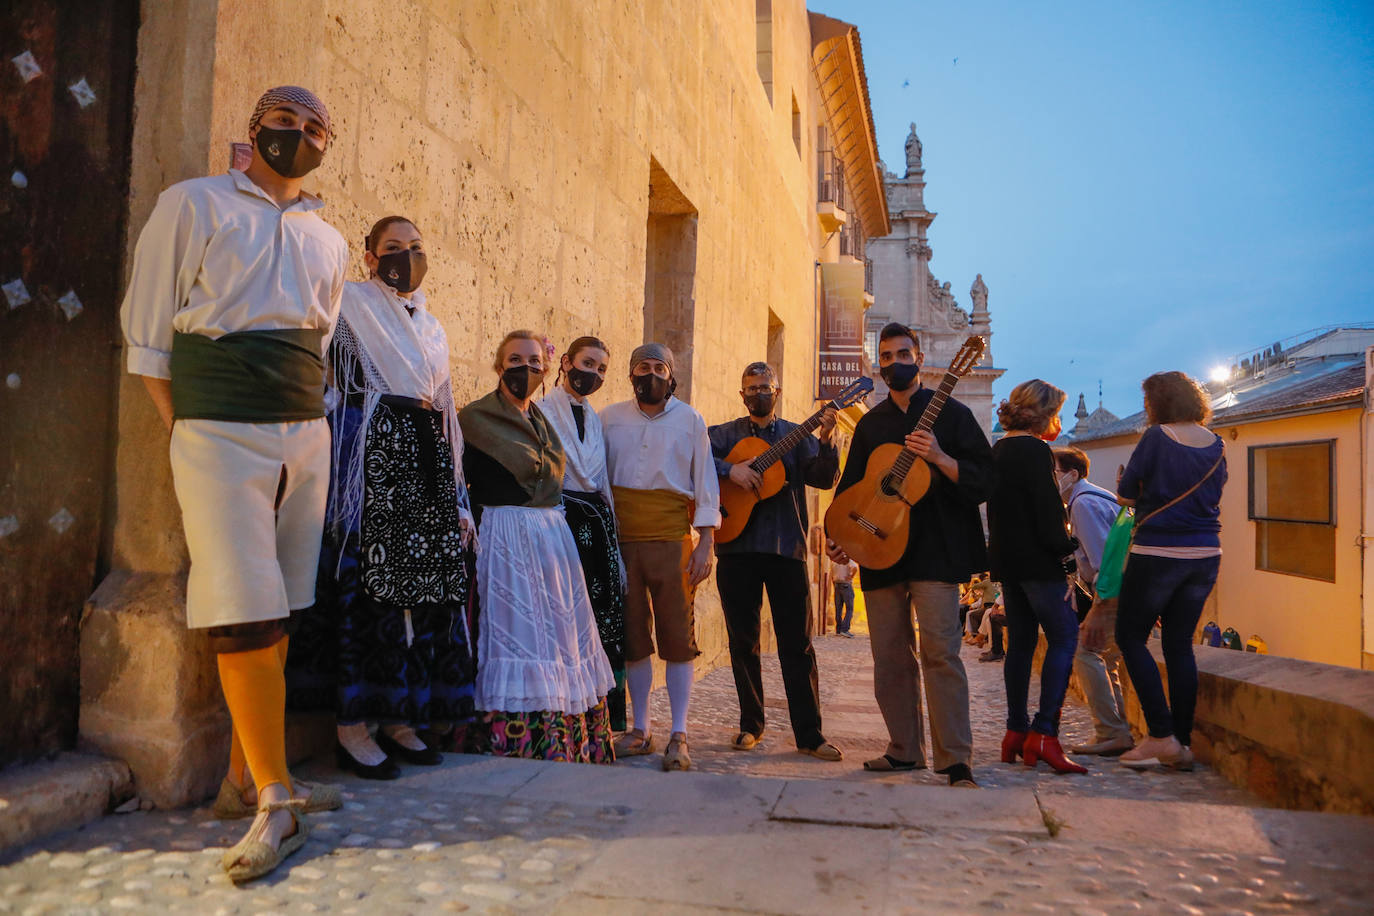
(905, 290)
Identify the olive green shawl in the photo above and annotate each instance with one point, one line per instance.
(527, 447)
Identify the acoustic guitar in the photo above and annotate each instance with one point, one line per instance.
(870, 519)
(736, 502)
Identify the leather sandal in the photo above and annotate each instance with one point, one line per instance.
(252, 858)
(889, 764)
(823, 751)
(634, 743)
(676, 756)
(316, 796)
(745, 741)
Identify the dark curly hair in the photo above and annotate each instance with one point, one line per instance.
(1031, 406)
(1174, 397)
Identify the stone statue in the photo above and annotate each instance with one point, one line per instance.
(979, 294)
(913, 150)
(943, 304)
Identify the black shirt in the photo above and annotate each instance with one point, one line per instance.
(1027, 534)
(946, 542)
(489, 483)
(778, 524)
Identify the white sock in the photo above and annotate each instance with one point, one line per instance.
(405, 736)
(359, 743)
(680, 693)
(639, 678)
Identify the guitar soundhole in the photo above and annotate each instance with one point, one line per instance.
(889, 487)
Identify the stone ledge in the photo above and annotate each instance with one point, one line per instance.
(1298, 734)
(69, 791)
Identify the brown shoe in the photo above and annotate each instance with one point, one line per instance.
(676, 756)
(1112, 747)
(745, 741)
(824, 751)
(634, 743)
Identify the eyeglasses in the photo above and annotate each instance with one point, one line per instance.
(759, 389)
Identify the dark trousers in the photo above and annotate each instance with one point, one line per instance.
(1172, 591)
(996, 624)
(1031, 607)
(741, 579)
(844, 606)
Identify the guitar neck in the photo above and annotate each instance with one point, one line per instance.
(907, 458)
(788, 442)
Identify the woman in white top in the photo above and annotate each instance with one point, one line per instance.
(588, 504)
(387, 644)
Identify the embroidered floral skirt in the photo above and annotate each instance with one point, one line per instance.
(593, 529)
(572, 738)
(390, 637)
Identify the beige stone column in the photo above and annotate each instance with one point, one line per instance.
(149, 693)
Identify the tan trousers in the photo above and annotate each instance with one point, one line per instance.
(897, 670)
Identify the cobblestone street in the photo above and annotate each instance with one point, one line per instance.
(768, 831)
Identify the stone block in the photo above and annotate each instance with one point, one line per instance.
(60, 794)
(883, 805)
(150, 689)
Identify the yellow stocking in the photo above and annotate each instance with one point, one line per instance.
(238, 774)
(255, 690)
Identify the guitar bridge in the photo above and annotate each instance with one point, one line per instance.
(868, 526)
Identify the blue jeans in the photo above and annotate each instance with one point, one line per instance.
(844, 606)
(1031, 607)
(1172, 591)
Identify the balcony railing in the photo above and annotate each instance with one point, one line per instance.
(852, 241)
(830, 180)
(868, 276)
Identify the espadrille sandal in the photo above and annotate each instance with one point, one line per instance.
(318, 796)
(252, 858)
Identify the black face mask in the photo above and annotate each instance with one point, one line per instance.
(519, 380)
(650, 389)
(403, 271)
(900, 376)
(287, 152)
(760, 405)
(584, 381)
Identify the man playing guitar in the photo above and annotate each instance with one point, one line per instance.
(770, 552)
(945, 547)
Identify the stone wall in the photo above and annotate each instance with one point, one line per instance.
(1297, 734)
(519, 137)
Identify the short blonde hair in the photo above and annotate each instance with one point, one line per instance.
(1031, 406)
(521, 334)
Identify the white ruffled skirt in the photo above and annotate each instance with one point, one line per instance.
(537, 644)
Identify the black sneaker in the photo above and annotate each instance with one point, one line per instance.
(959, 775)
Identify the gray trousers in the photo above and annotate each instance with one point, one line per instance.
(899, 661)
(1099, 674)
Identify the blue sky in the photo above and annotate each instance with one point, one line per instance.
(1144, 186)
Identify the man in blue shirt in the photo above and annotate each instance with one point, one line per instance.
(1092, 510)
(770, 553)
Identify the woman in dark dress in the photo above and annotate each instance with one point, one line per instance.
(587, 501)
(388, 644)
(1030, 553)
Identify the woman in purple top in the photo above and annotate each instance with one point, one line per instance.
(1174, 479)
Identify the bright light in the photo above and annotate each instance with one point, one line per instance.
(1220, 375)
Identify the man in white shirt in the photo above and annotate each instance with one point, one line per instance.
(235, 287)
(1097, 661)
(660, 464)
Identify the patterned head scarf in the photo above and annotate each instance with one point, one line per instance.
(274, 97)
(652, 351)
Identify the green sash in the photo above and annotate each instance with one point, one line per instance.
(249, 376)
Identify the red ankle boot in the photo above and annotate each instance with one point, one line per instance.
(1046, 747)
(1012, 742)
